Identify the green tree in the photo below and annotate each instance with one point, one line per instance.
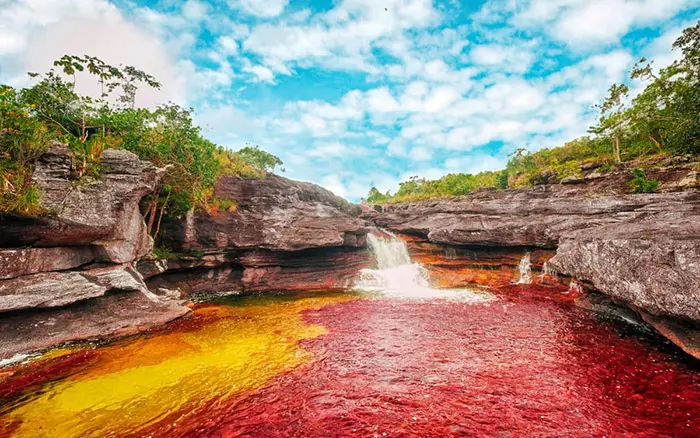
(377, 197)
(259, 159)
(614, 117)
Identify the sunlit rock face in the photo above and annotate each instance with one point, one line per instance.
(75, 261)
(272, 213)
(102, 214)
(282, 235)
(653, 266)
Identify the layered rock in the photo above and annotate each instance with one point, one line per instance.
(272, 213)
(281, 235)
(80, 250)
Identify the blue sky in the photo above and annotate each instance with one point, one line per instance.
(359, 93)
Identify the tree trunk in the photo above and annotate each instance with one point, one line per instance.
(152, 212)
(616, 143)
(160, 217)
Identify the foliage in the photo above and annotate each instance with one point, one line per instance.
(259, 159)
(377, 197)
(23, 139)
(163, 253)
(639, 184)
(52, 110)
(662, 119)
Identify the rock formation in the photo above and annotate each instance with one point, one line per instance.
(81, 249)
(281, 235)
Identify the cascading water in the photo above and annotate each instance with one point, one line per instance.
(525, 270)
(397, 276)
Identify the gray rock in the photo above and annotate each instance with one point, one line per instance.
(16, 262)
(272, 213)
(641, 250)
(56, 289)
(102, 212)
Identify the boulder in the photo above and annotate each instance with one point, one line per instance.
(102, 213)
(653, 265)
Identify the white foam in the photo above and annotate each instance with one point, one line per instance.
(397, 276)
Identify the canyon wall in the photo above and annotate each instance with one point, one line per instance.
(280, 235)
(84, 267)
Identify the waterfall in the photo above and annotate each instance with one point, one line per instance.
(398, 276)
(525, 270)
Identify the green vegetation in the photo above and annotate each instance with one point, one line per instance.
(664, 119)
(51, 110)
(640, 184)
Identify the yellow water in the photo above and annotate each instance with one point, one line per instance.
(137, 382)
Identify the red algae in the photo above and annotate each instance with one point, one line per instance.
(529, 364)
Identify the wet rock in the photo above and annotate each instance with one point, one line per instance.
(686, 336)
(318, 269)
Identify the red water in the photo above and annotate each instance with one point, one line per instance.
(529, 364)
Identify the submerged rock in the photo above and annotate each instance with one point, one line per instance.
(111, 315)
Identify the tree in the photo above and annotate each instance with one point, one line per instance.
(259, 159)
(377, 197)
(614, 117)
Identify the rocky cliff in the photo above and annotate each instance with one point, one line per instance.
(281, 234)
(76, 260)
(71, 272)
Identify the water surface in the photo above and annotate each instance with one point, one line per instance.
(527, 363)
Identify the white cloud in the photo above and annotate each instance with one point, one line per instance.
(261, 73)
(591, 22)
(341, 38)
(262, 8)
(195, 10)
(517, 59)
(44, 31)
(326, 150)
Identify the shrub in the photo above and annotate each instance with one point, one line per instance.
(639, 184)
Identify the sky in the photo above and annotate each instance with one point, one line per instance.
(352, 94)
